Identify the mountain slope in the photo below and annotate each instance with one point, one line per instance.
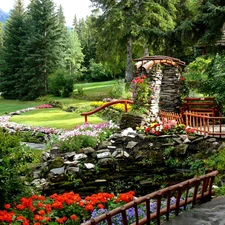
(3, 16)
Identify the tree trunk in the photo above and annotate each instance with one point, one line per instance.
(146, 52)
(129, 68)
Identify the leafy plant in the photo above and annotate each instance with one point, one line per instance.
(15, 162)
(117, 90)
(140, 87)
(61, 84)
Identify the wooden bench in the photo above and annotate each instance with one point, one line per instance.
(207, 106)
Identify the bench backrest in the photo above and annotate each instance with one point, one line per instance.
(206, 105)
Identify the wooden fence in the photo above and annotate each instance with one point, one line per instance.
(190, 191)
(204, 124)
(171, 116)
(125, 102)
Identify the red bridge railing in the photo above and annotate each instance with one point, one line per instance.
(202, 192)
(204, 124)
(125, 102)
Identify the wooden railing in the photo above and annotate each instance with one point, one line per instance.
(171, 116)
(202, 192)
(205, 124)
(125, 102)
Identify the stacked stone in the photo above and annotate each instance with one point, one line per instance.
(170, 96)
(127, 161)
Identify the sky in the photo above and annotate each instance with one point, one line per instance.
(80, 8)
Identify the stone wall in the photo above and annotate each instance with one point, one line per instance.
(166, 87)
(127, 161)
(171, 90)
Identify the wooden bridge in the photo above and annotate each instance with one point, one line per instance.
(188, 192)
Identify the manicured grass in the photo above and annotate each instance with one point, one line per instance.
(7, 106)
(54, 118)
(97, 88)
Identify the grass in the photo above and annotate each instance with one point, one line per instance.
(57, 118)
(8, 106)
(54, 118)
(97, 88)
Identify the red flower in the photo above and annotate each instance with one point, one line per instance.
(89, 207)
(147, 129)
(61, 220)
(38, 217)
(100, 206)
(7, 206)
(41, 212)
(73, 217)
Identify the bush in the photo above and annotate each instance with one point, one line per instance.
(77, 142)
(98, 72)
(61, 84)
(117, 90)
(14, 160)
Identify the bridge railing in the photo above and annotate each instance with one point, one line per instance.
(125, 102)
(171, 116)
(205, 124)
(190, 191)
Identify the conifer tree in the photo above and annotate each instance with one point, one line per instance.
(12, 59)
(42, 50)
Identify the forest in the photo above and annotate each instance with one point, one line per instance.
(40, 55)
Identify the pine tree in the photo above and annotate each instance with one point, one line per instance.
(12, 60)
(42, 49)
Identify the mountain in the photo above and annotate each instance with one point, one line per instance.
(3, 16)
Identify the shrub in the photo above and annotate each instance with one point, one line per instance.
(141, 89)
(14, 160)
(98, 72)
(61, 84)
(77, 142)
(117, 90)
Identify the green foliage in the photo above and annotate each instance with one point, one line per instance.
(32, 136)
(12, 55)
(141, 89)
(76, 143)
(208, 74)
(14, 163)
(98, 72)
(61, 84)
(117, 90)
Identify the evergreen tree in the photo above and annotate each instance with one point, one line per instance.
(63, 42)
(87, 36)
(1, 46)
(74, 54)
(12, 60)
(204, 26)
(42, 49)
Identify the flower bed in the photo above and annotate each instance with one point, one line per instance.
(166, 127)
(70, 208)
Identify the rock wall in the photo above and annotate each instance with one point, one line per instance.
(127, 161)
(171, 90)
(166, 87)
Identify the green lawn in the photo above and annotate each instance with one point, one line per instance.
(7, 106)
(97, 88)
(54, 118)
